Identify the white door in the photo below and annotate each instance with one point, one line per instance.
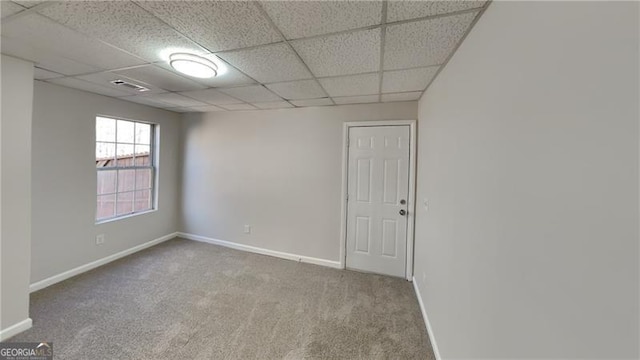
(378, 187)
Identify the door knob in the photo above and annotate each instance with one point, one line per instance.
(403, 212)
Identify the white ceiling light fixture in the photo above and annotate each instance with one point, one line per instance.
(193, 65)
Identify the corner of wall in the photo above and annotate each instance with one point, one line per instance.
(423, 310)
(15, 191)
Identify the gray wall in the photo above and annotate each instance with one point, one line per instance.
(64, 180)
(15, 144)
(528, 156)
(277, 170)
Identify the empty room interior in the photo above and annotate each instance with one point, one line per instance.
(377, 179)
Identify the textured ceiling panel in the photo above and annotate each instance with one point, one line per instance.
(161, 78)
(296, 90)
(105, 78)
(356, 99)
(123, 24)
(42, 74)
(273, 105)
(350, 53)
(312, 102)
(28, 3)
(407, 80)
(144, 100)
(216, 25)
(211, 96)
(404, 10)
(267, 64)
(175, 100)
(87, 86)
(238, 107)
(8, 8)
(206, 108)
(298, 19)
(424, 43)
(179, 109)
(231, 77)
(44, 58)
(407, 96)
(365, 84)
(42, 33)
(253, 93)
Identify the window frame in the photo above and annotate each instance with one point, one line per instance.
(153, 166)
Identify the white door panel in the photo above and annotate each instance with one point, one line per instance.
(378, 187)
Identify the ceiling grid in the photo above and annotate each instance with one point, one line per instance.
(277, 54)
(257, 4)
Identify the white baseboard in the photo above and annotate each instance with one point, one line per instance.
(15, 329)
(94, 264)
(262, 251)
(432, 338)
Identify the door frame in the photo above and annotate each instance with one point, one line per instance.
(411, 203)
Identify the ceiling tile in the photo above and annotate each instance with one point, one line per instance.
(231, 77)
(273, 105)
(8, 8)
(404, 10)
(356, 99)
(406, 96)
(87, 86)
(161, 78)
(238, 107)
(253, 93)
(298, 19)
(211, 96)
(28, 3)
(407, 80)
(350, 53)
(312, 102)
(105, 78)
(424, 43)
(365, 84)
(305, 89)
(40, 32)
(145, 100)
(42, 74)
(206, 108)
(44, 59)
(227, 75)
(216, 25)
(271, 63)
(123, 24)
(179, 109)
(175, 100)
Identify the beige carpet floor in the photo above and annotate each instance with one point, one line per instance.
(188, 300)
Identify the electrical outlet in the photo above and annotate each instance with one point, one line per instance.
(100, 239)
(247, 229)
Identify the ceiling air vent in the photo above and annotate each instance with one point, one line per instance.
(129, 85)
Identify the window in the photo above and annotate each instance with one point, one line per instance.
(125, 167)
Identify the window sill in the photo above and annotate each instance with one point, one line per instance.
(100, 222)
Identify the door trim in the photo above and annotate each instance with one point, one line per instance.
(411, 203)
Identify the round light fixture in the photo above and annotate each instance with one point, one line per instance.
(193, 65)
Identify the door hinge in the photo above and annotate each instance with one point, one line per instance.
(347, 197)
(347, 142)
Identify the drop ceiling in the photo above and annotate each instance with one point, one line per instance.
(277, 54)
